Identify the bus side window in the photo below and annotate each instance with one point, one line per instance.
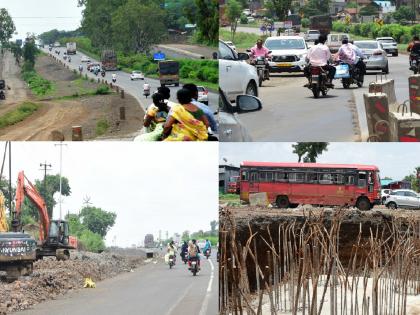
(325, 179)
(349, 180)
(244, 175)
(269, 176)
(312, 178)
(254, 177)
(281, 177)
(263, 176)
(361, 182)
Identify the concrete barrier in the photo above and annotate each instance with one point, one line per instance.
(259, 199)
(377, 116)
(76, 134)
(405, 127)
(387, 87)
(414, 92)
(122, 93)
(122, 113)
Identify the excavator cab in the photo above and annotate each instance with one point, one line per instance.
(59, 233)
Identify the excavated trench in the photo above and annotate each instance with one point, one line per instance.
(268, 228)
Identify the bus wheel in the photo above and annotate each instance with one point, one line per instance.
(282, 202)
(363, 204)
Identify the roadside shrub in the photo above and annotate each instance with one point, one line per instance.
(36, 83)
(18, 114)
(305, 22)
(92, 241)
(243, 19)
(103, 89)
(102, 127)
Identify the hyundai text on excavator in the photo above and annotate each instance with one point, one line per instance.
(19, 250)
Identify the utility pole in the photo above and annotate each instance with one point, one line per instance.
(45, 167)
(61, 144)
(10, 178)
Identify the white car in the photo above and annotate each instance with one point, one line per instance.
(389, 44)
(236, 77)
(86, 59)
(312, 35)
(384, 194)
(203, 95)
(136, 75)
(230, 44)
(251, 20)
(403, 198)
(288, 53)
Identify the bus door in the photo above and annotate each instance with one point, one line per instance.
(254, 184)
(362, 181)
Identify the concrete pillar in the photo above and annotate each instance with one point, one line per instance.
(77, 133)
(122, 93)
(404, 127)
(387, 87)
(122, 113)
(377, 116)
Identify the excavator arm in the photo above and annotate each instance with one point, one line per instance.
(30, 191)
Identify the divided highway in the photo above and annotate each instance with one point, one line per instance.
(150, 289)
(134, 88)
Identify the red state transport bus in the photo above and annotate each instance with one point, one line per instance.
(291, 184)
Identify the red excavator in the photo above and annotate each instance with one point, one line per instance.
(54, 238)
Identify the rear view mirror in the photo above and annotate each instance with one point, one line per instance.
(243, 56)
(248, 50)
(248, 103)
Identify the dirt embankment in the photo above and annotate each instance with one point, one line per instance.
(52, 278)
(69, 104)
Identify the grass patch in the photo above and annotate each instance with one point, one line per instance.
(36, 83)
(102, 127)
(18, 114)
(242, 40)
(228, 196)
(103, 89)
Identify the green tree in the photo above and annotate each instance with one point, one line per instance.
(207, 20)
(185, 235)
(47, 191)
(29, 52)
(370, 9)
(404, 13)
(233, 14)
(97, 220)
(138, 25)
(309, 151)
(213, 226)
(316, 7)
(7, 27)
(279, 7)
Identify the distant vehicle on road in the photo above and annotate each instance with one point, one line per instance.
(109, 60)
(85, 59)
(376, 56)
(56, 44)
(149, 241)
(168, 72)
(288, 53)
(201, 243)
(236, 77)
(71, 48)
(203, 95)
(91, 66)
(389, 45)
(322, 23)
(334, 41)
(231, 128)
(136, 75)
(403, 198)
(384, 194)
(312, 35)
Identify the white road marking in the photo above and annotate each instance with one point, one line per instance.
(203, 309)
(174, 305)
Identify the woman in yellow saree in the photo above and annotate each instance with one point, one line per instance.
(186, 122)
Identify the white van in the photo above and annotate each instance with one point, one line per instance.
(334, 41)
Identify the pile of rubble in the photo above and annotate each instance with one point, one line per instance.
(52, 278)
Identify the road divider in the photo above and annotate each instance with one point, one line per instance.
(377, 115)
(385, 86)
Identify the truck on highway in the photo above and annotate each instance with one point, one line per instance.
(322, 23)
(71, 48)
(149, 241)
(109, 60)
(168, 72)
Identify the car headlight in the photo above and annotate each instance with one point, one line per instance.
(302, 56)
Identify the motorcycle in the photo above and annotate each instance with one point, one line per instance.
(261, 64)
(415, 63)
(171, 261)
(69, 60)
(193, 265)
(114, 80)
(2, 95)
(103, 73)
(184, 256)
(146, 92)
(317, 81)
(348, 76)
(207, 253)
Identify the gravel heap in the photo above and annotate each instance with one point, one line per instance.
(52, 278)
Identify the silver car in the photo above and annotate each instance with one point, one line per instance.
(389, 44)
(376, 57)
(403, 198)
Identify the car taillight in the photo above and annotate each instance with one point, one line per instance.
(377, 53)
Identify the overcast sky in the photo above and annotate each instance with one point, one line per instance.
(151, 186)
(39, 16)
(395, 160)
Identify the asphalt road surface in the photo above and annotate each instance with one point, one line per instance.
(134, 88)
(151, 289)
(290, 113)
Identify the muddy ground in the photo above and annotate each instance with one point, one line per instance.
(60, 111)
(52, 278)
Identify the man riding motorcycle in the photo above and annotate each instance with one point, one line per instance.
(414, 50)
(171, 249)
(347, 53)
(207, 247)
(260, 51)
(184, 251)
(114, 77)
(193, 253)
(319, 56)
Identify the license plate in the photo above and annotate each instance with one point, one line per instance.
(284, 65)
(315, 78)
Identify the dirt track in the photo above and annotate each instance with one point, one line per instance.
(58, 114)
